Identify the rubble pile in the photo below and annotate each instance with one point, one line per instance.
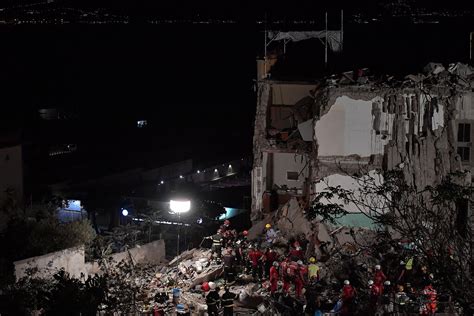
(455, 74)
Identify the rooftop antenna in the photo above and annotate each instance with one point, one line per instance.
(326, 43)
(342, 30)
(265, 50)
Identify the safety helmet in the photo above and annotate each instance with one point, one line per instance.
(312, 259)
(377, 267)
(387, 283)
(268, 226)
(346, 282)
(245, 233)
(212, 285)
(275, 264)
(298, 248)
(299, 262)
(371, 282)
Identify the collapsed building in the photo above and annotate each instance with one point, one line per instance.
(308, 131)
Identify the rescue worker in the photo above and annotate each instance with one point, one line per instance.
(300, 277)
(375, 293)
(431, 300)
(401, 299)
(256, 258)
(348, 297)
(270, 257)
(313, 270)
(239, 252)
(284, 268)
(303, 242)
(225, 233)
(227, 301)
(291, 272)
(212, 301)
(270, 234)
(229, 266)
(274, 276)
(296, 253)
(387, 301)
(216, 245)
(379, 277)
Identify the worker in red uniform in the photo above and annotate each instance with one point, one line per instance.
(291, 272)
(300, 278)
(296, 253)
(430, 294)
(348, 297)
(270, 257)
(256, 259)
(379, 277)
(274, 276)
(284, 266)
(375, 291)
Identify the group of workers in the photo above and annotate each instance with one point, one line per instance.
(293, 270)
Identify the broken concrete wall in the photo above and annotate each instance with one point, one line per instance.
(72, 260)
(364, 127)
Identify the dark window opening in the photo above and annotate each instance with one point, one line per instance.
(464, 132)
(292, 175)
(464, 153)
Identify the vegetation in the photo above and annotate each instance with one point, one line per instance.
(433, 223)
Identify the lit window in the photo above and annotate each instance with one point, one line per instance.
(142, 123)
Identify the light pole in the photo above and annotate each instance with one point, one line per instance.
(178, 207)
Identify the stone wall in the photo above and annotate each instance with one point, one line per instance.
(72, 260)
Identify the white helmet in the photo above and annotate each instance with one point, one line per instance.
(371, 282)
(387, 283)
(377, 267)
(275, 264)
(346, 282)
(212, 285)
(299, 262)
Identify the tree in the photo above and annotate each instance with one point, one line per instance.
(432, 222)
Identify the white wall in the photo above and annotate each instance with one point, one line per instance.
(283, 162)
(349, 183)
(347, 128)
(11, 171)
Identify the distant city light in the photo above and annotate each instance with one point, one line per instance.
(124, 212)
(198, 171)
(215, 170)
(230, 166)
(142, 123)
(181, 177)
(162, 182)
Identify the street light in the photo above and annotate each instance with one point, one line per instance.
(179, 207)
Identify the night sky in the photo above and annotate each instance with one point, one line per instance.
(193, 83)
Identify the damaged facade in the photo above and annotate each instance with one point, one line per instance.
(308, 131)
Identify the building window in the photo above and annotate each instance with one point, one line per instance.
(464, 153)
(464, 132)
(142, 123)
(292, 175)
